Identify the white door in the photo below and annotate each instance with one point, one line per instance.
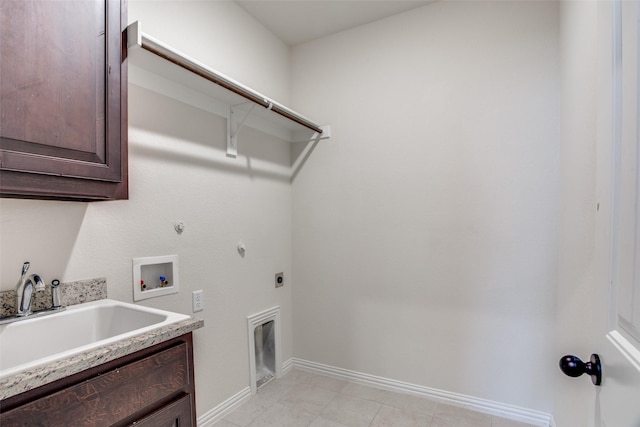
(618, 241)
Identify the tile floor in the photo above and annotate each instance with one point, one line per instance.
(301, 399)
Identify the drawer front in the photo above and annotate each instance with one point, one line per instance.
(110, 398)
(176, 414)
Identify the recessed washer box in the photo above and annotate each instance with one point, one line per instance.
(155, 276)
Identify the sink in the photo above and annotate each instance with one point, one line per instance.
(33, 342)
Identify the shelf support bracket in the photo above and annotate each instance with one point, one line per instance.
(304, 136)
(234, 124)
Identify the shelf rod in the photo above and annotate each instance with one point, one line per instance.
(157, 48)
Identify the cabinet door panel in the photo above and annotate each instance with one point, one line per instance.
(62, 98)
(52, 90)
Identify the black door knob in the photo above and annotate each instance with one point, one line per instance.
(574, 367)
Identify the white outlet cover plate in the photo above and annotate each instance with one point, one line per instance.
(198, 301)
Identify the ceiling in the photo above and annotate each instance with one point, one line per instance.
(299, 21)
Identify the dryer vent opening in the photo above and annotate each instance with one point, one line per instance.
(265, 352)
(264, 347)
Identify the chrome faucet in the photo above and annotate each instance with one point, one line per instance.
(25, 288)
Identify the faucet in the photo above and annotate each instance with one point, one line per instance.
(25, 288)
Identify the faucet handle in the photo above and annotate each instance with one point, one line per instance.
(25, 268)
(23, 274)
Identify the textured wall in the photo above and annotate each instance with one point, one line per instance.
(425, 232)
(178, 171)
(580, 302)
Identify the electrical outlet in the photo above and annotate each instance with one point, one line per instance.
(279, 280)
(198, 301)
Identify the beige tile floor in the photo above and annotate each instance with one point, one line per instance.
(301, 399)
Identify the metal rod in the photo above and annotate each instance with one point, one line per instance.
(176, 58)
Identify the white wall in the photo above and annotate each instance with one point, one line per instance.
(576, 306)
(425, 231)
(427, 234)
(178, 171)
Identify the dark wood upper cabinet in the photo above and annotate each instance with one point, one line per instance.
(63, 99)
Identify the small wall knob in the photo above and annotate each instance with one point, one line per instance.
(179, 227)
(242, 248)
(574, 367)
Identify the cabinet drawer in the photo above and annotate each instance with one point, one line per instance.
(109, 398)
(175, 414)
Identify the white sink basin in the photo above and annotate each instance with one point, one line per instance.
(33, 342)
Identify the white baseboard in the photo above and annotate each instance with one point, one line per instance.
(287, 366)
(219, 412)
(481, 405)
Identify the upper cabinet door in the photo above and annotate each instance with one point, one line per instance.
(63, 86)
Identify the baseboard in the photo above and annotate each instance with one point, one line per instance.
(287, 366)
(481, 405)
(219, 412)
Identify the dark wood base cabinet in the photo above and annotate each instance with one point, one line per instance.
(153, 387)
